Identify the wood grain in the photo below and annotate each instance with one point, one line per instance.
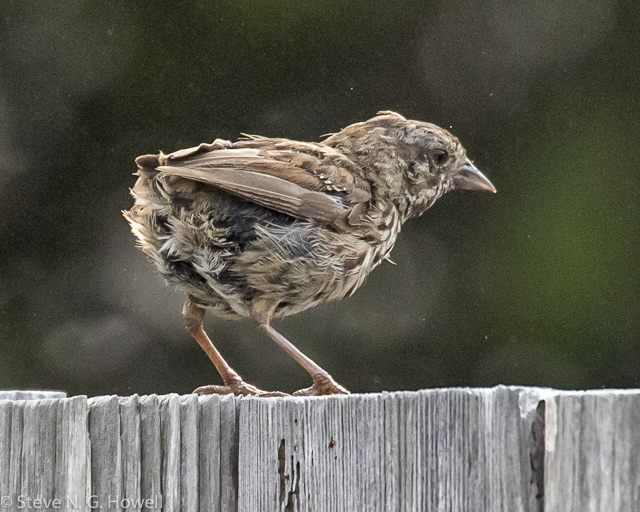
(456, 449)
(500, 449)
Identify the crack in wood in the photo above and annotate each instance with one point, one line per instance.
(291, 497)
(537, 454)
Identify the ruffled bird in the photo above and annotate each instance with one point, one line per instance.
(263, 228)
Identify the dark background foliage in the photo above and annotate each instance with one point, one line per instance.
(536, 285)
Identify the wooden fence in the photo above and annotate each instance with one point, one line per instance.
(501, 449)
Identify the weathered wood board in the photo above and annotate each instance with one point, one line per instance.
(499, 449)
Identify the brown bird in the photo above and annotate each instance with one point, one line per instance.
(264, 228)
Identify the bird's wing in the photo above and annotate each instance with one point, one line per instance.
(306, 181)
(269, 191)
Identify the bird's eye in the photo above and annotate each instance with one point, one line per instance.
(440, 156)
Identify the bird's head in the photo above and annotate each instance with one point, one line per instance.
(412, 162)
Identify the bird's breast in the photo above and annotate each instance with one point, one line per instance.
(375, 240)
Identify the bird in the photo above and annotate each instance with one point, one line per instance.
(263, 228)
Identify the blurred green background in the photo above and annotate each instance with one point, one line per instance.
(537, 285)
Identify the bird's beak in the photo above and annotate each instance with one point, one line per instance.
(469, 177)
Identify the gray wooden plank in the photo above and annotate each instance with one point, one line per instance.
(457, 449)
(73, 455)
(6, 408)
(30, 395)
(171, 463)
(38, 453)
(150, 450)
(131, 450)
(189, 452)
(228, 453)
(12, 415)
(106, 454)
(592, 455)
(311, 453)
(209, 482)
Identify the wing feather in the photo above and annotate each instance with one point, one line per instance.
(268, 191)
(304, 180)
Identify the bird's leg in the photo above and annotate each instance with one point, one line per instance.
(233, 383)
(323, 383)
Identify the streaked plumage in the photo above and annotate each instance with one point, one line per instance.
(265, 228)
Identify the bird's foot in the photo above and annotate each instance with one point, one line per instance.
(237, 388)
(323, 384)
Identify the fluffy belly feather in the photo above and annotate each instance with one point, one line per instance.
(297, 263)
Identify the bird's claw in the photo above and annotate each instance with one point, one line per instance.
(322, 385)
(239, 388)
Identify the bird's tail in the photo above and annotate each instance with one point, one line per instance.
(148, 164)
